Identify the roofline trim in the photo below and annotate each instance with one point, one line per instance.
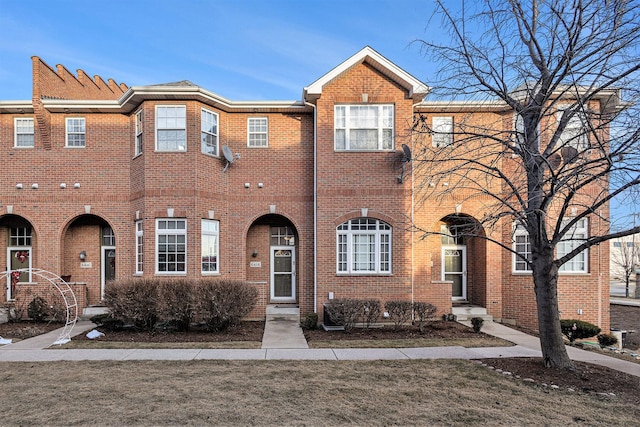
(415, 86)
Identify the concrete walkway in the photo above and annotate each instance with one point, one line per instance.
(283, 341)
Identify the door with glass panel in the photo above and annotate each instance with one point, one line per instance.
(283, 261)
(283, 264)
(454, 268)
(107, 258)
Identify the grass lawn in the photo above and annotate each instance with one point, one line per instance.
(443, 392)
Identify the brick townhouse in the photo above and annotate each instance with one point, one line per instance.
(306, 200)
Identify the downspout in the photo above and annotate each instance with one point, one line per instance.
(315, 207)
(413, 107)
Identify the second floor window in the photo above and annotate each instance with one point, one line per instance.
(139, 127)
(76, 132)
(363, 127)
(575, 133)
(24, 133)
(442, 131)
(258, 132)
(209, 132)
(171, 128)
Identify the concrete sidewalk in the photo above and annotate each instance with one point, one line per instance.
(35, 350)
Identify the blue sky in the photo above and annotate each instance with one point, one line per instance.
(241, 50)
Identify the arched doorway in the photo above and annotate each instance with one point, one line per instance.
(18, 238)
(272, 254)
(89, 254)
(463, 257)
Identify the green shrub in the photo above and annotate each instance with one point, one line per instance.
(577, 329)
(223, 303)
(423, 311)
(309, 322)
(399, 312)
(38, 309)
(607, 340)
(477, 322)
(345, 311)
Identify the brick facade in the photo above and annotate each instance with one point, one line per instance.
(300, 181)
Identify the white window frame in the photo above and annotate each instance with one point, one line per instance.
(175, 123)
(139, 247)
(210, 246)
(76, 127)
(209, 130)
(363, 231)
(139, 130)
(574, 237)
(20, 239)
(519, 265)
(22, 130)
(575, 132)
(520, 132)
(442, 131)
(258, 132)
(170, 232)
(347, 120)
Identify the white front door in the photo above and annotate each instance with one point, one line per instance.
(454, 268)
(283, 273)
(18, 258)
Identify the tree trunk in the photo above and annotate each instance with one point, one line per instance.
(545, 277)
(626, 291)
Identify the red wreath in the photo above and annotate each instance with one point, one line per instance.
(22, 256)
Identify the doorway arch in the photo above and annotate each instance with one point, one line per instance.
(464, 257)
(272, 255)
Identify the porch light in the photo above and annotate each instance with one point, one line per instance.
(255, 253)
(19, 186)
(83, 255)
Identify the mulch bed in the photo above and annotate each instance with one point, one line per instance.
(26, 329)
(586, 378)
(245, 331)
(438, 329)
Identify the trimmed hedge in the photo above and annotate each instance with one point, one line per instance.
(349, 311)
(148, 304)
(578, 329)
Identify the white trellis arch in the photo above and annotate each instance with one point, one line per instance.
(68, 296)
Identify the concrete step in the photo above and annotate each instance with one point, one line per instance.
(283, 312)
(89, 312)
(467, 312)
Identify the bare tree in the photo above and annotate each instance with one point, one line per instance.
(625, 257)
(562, 143)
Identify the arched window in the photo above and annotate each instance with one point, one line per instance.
(363, 247)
